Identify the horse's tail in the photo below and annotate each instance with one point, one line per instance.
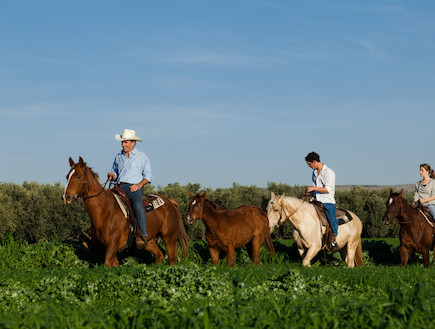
(358, 254)
(269, 244)
(183, 238)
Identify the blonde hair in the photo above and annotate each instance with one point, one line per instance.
(428, 169)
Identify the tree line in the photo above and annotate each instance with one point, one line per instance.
(34, 211)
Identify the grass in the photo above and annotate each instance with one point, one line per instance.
(54, 284)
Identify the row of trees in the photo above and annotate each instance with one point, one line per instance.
(33, 211)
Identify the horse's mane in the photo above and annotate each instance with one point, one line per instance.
(215, 206)
(93, 173)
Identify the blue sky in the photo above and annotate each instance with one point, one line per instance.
(220, 91)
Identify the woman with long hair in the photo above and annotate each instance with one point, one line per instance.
(425, 188)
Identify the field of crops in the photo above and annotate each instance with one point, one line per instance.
(59, 285)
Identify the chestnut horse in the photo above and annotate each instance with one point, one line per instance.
(228, 229)
(416, 232)
(308, 229)
(109, 225)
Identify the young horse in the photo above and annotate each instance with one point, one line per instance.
(416, 232)
(109, 225)
(308, 229)
(227, 229)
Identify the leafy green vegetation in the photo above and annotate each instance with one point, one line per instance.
(53, 284)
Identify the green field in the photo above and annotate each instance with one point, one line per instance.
(59, 285)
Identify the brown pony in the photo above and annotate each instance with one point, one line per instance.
(416, 233)
(110, 227)
(227, 229)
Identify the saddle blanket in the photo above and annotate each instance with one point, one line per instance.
(343, 215)
(149, 202)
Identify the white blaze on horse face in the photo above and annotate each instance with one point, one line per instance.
(67, 183)
(272, 215)
(193, 203)
(390, 201)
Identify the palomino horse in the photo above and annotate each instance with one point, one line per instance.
(109, 225)
(308, 229)
(416, 232)
(227, 229)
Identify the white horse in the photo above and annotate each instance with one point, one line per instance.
(308, 229)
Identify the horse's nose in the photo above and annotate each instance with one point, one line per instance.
(66, 198)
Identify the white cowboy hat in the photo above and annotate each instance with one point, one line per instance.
(128, 135)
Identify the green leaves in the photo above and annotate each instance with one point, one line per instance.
(49, 284)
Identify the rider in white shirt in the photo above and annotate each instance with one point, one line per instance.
(324, 191)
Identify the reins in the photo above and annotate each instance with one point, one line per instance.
(83, 187)
(283, 210)
(412, 221)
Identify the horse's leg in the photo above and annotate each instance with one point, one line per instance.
(256, 246)
(153, 248)
(110, 259)
(426, 257)
(297, 237)
(231, 253)
(311, 253)
(350, 258)
(214, 254)
(171, 248)
(404, 254)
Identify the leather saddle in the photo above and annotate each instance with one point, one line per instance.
(426, 211)
(343, 215)
(149, 202)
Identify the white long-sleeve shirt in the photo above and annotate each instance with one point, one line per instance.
(326, 179)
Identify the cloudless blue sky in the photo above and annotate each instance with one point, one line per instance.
(220, 91)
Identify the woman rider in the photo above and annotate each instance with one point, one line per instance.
(425, 189)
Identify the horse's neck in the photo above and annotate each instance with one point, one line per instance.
(96, 200)
(209, 215)
(293, 210)
(407, 212)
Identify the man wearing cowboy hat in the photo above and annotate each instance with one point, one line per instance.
(132, 171)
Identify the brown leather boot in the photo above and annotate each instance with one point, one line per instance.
(141, 243)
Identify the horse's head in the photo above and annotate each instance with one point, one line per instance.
(196, 207)
(394, 206)
(275, 210)
(75, 181)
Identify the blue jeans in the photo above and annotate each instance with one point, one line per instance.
(136, 201)
(432, 209)
(331, 215)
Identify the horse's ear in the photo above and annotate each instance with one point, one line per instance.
(71, 162)
(281, 198)
(391, 191)
(400, 194)
(81, 161)
(272, 195)
(191, 195)
(204, 195)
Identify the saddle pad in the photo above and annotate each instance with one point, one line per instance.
(152, 202)
(343, 216)
(121, 204)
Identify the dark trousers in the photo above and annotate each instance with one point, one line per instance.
(136, 201)
(331, 215)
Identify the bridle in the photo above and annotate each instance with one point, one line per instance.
(86, 182)
(284, 211)
(400, 214)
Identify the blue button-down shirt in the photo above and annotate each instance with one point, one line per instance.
(133, 169)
